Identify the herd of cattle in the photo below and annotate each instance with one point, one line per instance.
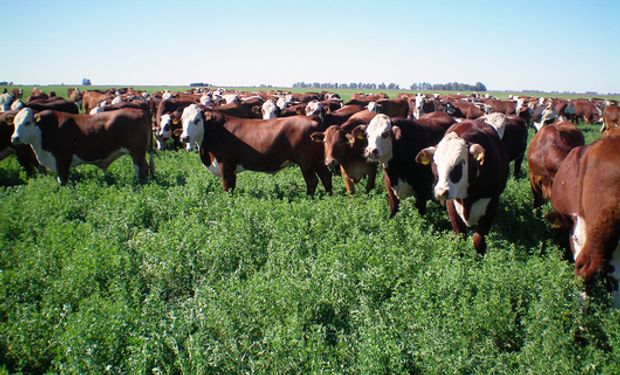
(454, 148)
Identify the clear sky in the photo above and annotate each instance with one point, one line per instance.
(526, 44)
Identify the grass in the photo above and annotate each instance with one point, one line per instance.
(107, 276)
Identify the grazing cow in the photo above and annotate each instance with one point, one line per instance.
(585, 201)
(62, 140)
(25, 155)
(471, 168)
(394, 143)
(229, 145)
(611, 118)
(512, 130)
(547, 150)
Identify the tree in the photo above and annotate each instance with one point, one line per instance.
(86, 82)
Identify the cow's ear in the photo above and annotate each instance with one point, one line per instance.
(208, 115)
(350, 138)
(177, 132)
(396, 132)
(37, 117)
(9, 119)
(359, 132)
(477, 152)
(175, 120)
(318, 137)
(425, 156)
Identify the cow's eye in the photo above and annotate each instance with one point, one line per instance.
(384, 135)
(456, 173)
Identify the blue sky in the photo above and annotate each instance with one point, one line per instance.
(545, 45)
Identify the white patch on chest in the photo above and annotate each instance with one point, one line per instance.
(615, 262)
(402, 189)
(578, 237)
(45, 158)
(214, 168)
(476, 211)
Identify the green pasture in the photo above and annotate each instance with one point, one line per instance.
(176, 276)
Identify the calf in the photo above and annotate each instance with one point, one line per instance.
(229, 145)
(62, 140)
(394, 143)
(547, 150)
(471, 168)
(584, 197)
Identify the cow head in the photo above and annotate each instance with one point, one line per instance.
(335, 142)
(548, 115)
(418, 110)
(269, 110)
(26, 130)
(372, 107)
(380, 135)
(450, 109)
(451, 160)
(193, 126)
(315, 108)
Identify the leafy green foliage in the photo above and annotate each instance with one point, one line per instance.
(105, 275)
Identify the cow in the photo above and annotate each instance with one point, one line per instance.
(228, 145)
(584, 197)
(62, 140)
(25, 155)
(346, 151)
(91, 99)
(588, 111)
(463, 109)
(392, 108)
(316, 110)
(547, 150)
(438, 118)
(506, 107)
(512, 130)
(611, 118)
(420, 105)
(269, 110)
(6, 100)
(471, 169)
(394, 144)
(57, 104)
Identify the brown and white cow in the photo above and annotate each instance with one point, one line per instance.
(547, 150)
(512, 130)
(229, 145)
(471, 168)
(584, 197)
(395, 143)
(63, 140)
(462, 109)
(25, 155)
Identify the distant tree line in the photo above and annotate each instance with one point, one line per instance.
(5, 83)
(450, 86)
(352, 85)
(200, 84)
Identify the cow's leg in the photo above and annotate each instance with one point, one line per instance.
(311, 180)
(229, 178)
(142, 169)
(326, 177)
(392, 198)
(517, 166)
(372, 176)
(26, 158)
(458, 226)
(63, 166)
(537, 192)
(484, 226)
(349, 184)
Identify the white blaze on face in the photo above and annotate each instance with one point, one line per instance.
(117, 99)
(379, 134)
(419, 106)
(498, 121)
(451, 158)
(231, 98)
(313, 108)
(25, 129)
(269, 110)
(282, 103)
(372, 106)
(166, 95)
(165, 127)
(520, 102)
(541, 101)
(193, 126)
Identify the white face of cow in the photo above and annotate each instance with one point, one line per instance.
(165, 127)
(451, 156)
(193, 126)
(313, 108)
(379, 134)
(282, 103)
(205, 99)
(372, 106)
(117, 99)
(269, 110)
(26, 131)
